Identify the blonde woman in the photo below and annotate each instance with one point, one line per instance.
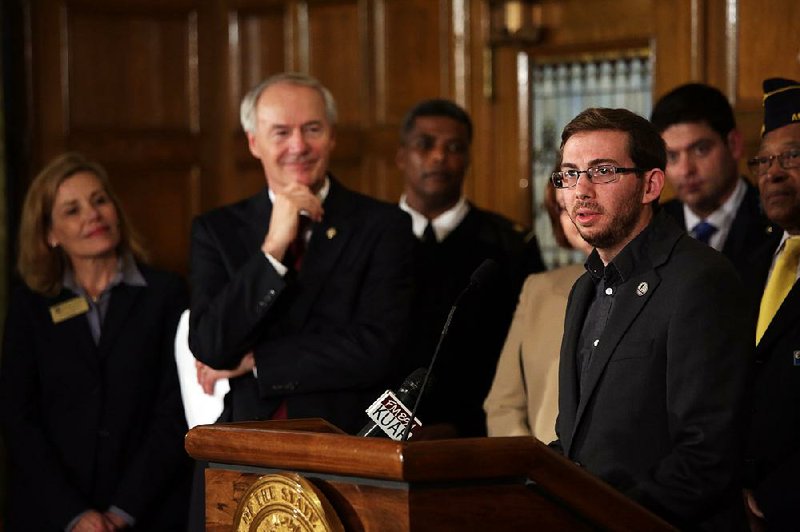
(89, 397)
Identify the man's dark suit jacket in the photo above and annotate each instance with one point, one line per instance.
(772, 458)
(325, 341)
(89, 426)
(659, 418)
(749, 230)
(468, 356)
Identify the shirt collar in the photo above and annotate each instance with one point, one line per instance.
(443, 225)
(322, 193)
(127, 272)
(786, 236)
(723, 216)
(621, 268)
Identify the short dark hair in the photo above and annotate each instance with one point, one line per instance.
(694, 102)
(645, 145)
(436, 107)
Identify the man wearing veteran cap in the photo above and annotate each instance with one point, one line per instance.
(772, 464)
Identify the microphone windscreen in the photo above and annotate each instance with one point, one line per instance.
(484, 272)
(410, 387)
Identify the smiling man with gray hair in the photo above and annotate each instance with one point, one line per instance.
(300, 293)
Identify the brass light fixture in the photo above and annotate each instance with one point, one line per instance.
(511, 23)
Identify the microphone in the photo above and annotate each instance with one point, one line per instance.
(389, 414)
(481, 275)
(487, 269)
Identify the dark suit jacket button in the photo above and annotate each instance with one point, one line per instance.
(103, 433)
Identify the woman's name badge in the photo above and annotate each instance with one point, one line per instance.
(69, 309)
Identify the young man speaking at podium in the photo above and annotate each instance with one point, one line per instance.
(657, 336)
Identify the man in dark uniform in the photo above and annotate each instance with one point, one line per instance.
(772, 461)
(714, 203)
(655, 349)
(455, 237)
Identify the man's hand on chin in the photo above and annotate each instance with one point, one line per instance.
(289, 203)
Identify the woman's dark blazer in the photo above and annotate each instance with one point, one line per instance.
(89, 426)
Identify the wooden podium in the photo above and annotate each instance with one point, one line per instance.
(382, 485)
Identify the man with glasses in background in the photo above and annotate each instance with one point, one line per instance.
(655, 348)
(772, 459)
(714, 203)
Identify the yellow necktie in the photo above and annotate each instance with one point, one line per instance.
(780, 282)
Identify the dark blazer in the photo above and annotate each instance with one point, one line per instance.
(772, 459)
(749, 230)
(325, 341)
(90, 426)
(659, 416)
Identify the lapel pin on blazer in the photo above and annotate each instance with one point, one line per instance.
(642, 289)
(330, 233)
(796, 358)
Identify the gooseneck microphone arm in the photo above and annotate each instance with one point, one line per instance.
(487, 269)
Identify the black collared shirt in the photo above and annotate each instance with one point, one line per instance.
(606, 280)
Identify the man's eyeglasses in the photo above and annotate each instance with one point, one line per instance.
(595, 174)
(787, 160)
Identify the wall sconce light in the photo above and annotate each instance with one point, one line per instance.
(511, 23)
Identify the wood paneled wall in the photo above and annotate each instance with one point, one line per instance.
(151, 88)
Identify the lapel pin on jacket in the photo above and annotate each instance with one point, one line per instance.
(330, 233)
(642, 289)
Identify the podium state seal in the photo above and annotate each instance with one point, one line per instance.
(285, 502)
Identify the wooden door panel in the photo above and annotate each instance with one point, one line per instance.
(336, 46)
(126, 95)
(412, 55)
(131, 71)
(764, 51)
(155, 199)
(260, 45)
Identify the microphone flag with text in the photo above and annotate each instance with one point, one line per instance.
(389, 415)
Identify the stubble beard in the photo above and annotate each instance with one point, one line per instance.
(620, 226)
